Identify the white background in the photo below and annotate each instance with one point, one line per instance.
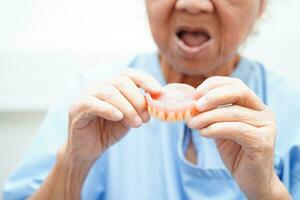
(44, 43)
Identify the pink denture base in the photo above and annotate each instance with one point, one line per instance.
(175, 103)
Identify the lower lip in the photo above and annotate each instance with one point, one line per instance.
(192, 51)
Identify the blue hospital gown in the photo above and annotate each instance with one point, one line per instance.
(149, 163)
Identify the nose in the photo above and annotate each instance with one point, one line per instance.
(195, 6)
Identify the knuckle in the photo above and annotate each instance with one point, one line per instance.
(211, 80)
(205, 118)
(213, 128)
(122, 82)
(128, 71)
(203, 121)
(143, 81)
(106, 92)
(129, 111)
(237, 81)
(270, 114)
(208, 98)
(270, 118)
(240, 86)
(241, 127)
(242, 94)
(214, 78)
(236, 112)
(93, 87)
(106, 111)
(142, 78)
(76, 108)
(72, 111)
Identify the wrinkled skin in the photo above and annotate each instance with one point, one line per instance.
(106, 111)
(228, 22)
(244, 132)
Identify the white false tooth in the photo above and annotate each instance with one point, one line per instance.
(154, 113)
(171, 116)
(149, 109)
(179, 116)
(161, 115)
(187, 115)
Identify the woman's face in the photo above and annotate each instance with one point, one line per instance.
(197, 36)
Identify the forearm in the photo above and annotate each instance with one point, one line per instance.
(276, 191)
(65, 181)
(279, 191)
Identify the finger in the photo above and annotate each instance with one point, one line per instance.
(233, 113)
(113, 96)
(132, 93)
(91, 106)
(214, 82)
(243, 134)
(229, 95)
(143, 80)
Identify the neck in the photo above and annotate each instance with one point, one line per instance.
(172, 76)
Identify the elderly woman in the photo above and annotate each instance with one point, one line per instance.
(104, 144)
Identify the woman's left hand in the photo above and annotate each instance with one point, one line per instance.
(244, 130)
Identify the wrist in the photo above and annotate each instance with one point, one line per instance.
(276, 190)
(68, 158)
(73, 171)
(65, 180)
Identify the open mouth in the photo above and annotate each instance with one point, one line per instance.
(192, 39)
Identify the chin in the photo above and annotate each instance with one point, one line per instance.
(194, 67)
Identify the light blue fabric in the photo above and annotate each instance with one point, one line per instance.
(149, 162)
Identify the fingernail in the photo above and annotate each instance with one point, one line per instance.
(200, 103)
(137, 121)
(191, 123)
(145, 116)
(157, 87)
(201, 89)
(117, 115)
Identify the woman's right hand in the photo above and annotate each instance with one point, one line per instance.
(101, 117)
(105, 113)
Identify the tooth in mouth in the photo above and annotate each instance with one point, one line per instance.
(175, 103)
(193, 38)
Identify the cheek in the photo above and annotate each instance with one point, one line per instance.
(236, 22)
(159, 15)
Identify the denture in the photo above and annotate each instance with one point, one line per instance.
(174, 103)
